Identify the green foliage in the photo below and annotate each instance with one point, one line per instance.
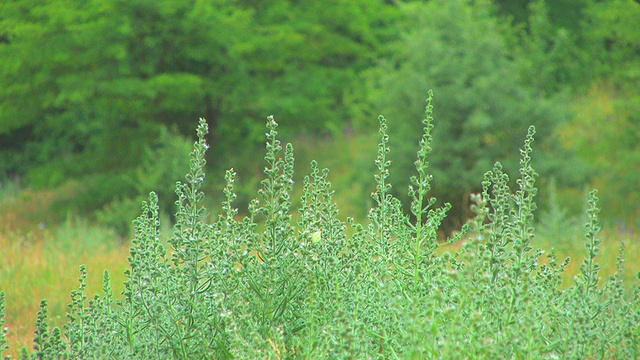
(604, 133)
(266, 287)
(78, 233)
(550, 57)
(589, 48)
(3, 330)
(554, 223)
(611, 32)
(161, 166)
(89, 86)
(459, 48)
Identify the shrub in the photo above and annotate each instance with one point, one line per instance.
(266, 286)
(461, 50)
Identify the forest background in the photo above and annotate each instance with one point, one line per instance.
(99, 99)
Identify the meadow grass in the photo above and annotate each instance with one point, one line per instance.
(32, 270)
(273, 285)
(573, 247)
(608, 256)
(42, 263)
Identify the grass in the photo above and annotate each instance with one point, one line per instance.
(573, 247)
(39, 262)
(274, 286)
(608, 257)
(35, 267)
(33, 270)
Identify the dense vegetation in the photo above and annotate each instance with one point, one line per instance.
(325, 288)
(97, 109)
(98, 96)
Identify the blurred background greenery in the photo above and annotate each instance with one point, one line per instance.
(99, 99)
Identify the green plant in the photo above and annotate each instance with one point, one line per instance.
(3, 330)
(554, 224)
(265, 286)
(103, 95)
(459, 48)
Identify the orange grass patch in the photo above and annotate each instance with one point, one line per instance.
(33, 268)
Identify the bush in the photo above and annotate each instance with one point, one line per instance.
(267, 287)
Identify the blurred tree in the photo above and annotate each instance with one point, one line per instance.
(605, 131)
(612, 30)
(87, 86)
(592, 54)
(550, 57)
(567, 14)
(306, 58)
(482, 104)
(572, 44)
